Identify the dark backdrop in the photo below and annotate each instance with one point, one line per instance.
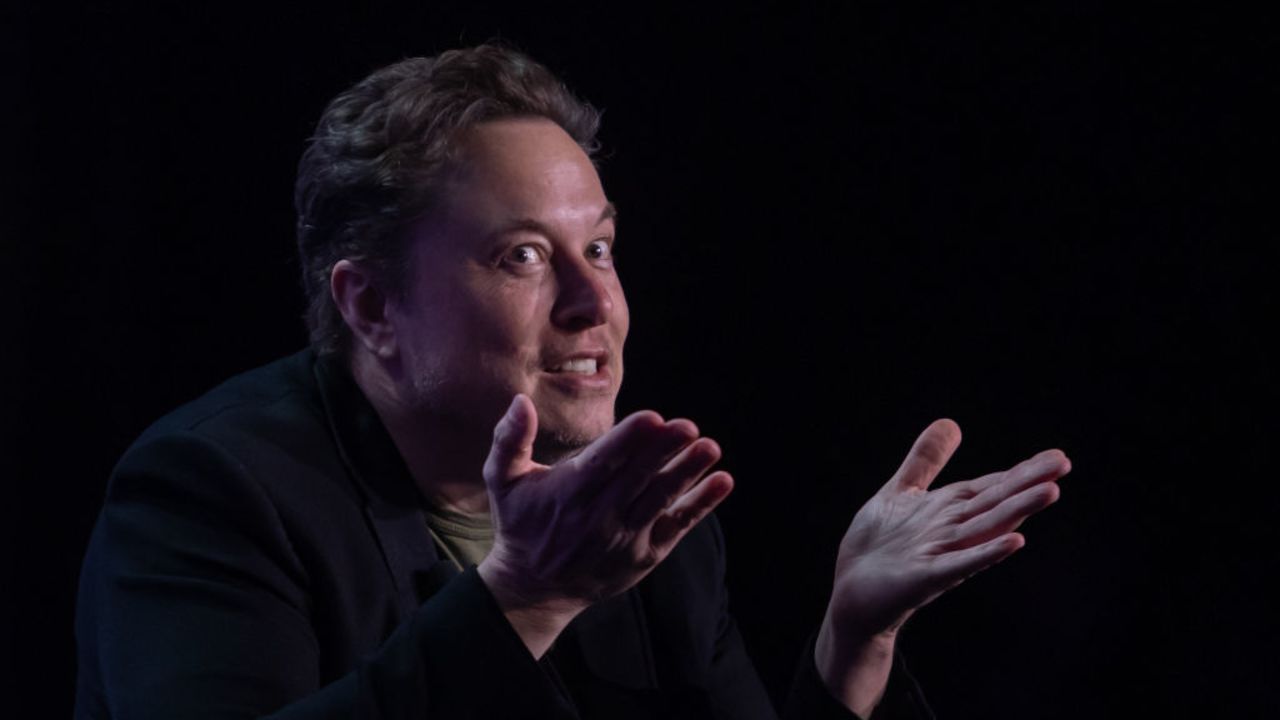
(1044, 222)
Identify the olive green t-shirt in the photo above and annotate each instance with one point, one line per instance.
(464, 538)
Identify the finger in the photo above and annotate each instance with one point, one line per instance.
(689, 509)
(676, 477)
(928, 455)
(511, 454)
(645, 466)
(1007, 516)
(625, 457)
(954, 568)
(609, 452)
(993, 489)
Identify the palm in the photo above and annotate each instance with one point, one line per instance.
(592, 526)
(909, 544)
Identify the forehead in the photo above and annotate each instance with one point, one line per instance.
(522, 168)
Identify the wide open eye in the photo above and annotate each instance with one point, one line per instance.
(599, 251)
(523, 255)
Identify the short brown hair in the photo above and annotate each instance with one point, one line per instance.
(376, 160)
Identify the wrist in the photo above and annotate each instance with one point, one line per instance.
(537, 619)
(855, 670)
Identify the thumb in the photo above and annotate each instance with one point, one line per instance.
(511, 454)
(927, 457)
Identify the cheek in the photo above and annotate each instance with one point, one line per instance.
(506, 320)
(621, 326)
(622, 314)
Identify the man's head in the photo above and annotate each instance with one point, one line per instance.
(470, 257)
(380, 150)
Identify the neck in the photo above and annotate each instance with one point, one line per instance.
(445, 459)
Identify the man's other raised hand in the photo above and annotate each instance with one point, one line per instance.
(909, 544)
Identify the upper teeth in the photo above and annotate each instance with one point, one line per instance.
(585, 365)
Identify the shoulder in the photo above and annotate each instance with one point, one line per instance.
(250, 474)
(263, 417)
(274, 400)
(261, 438)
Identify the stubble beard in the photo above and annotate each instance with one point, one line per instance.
(560, 441)
(556, 446)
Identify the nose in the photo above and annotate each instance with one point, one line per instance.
(584, 299)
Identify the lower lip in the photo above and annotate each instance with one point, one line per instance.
(581, 383)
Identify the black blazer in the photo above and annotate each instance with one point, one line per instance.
(262, 550)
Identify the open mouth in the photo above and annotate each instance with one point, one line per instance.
(586, 373)
(580, 366)
(583, 363)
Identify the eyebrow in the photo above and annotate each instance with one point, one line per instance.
(610, 212)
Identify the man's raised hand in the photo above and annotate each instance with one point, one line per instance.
(909, 544)
(592, 526)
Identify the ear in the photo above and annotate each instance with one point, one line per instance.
(364, 308)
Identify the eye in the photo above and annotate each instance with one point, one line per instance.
(523, 255)
(599, 251)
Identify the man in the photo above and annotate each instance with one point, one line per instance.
(432, 513)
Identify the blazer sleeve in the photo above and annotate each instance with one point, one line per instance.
(194, 605)
(809, 697)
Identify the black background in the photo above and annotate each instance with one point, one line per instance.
(1045, 221)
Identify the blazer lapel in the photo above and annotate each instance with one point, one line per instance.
(392, 504)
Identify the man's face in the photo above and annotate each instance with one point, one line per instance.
(511, 288)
